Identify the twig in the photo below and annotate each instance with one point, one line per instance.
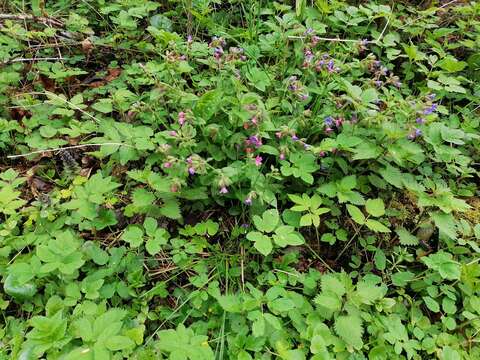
(65, 148)
(335, 39)
(23, 17)
(32, 59)
(383, 31)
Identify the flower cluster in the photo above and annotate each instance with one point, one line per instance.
(331, 123)
(381, 74)
(297, 88)
(236, 53)
(217, 44)
(310, 38)
(414, 134)
(326, 63)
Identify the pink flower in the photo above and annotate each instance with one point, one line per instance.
(282, 156)
(223, 190)
(248, 201)
(278, 134)
(181, 118)
(258, 160)
(173, 133)
(167, 165)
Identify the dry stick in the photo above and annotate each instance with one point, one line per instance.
(32, 59)
(333, 39)
(66, 148)
(42, 19)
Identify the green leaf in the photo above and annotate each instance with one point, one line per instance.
(432, 305)
(444, 264)
(356, 214)
(268, 222)
(104, 106)
(261, 242)
(406, 238)
(259, 78)
(451, 64)
(117, 342)
(446, 224)
(375, 207)
(350, 329)
(133, 234)
(380, 260)
(171, 209)
(377, 226)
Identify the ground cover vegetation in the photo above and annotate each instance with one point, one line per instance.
(277, 180)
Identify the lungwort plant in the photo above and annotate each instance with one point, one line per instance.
(239, 180)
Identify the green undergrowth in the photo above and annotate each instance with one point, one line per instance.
(197, 179)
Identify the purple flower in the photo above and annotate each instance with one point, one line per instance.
(431, 109)
(397, 84)
(322, 153)
(331, 66)
(248, 201)
(294, 137)
(309, 31)
(306, 146)
(418, 132)
(191, 170)
(431, 97)
(328, 121)
(189, 39)
(420, 120)
(378, 83)
(223, 190)
(255, 141)
(258, 160)
(303, 97)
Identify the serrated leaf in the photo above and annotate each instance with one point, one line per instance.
(375, 207)
(406, 238)
(350, 329)
(376, 226)
(356, 214)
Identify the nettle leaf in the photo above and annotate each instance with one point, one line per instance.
(350, 329)
(356, 214)
(375, 207)
(376, 226)
(406, 238)
(446, 224)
